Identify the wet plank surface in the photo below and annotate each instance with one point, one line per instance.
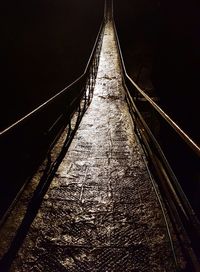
(100, 212)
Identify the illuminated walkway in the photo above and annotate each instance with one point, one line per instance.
(101, 212)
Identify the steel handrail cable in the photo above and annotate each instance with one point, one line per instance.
(164, 115)
(187, 207)
(189, 142)
(53, 98)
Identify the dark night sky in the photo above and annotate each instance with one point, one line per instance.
(163, 37)
(45, 45)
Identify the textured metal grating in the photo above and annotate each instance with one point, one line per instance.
(100, 213)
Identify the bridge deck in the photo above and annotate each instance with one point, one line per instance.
(101, 212)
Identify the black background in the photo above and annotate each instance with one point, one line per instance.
(160, 42)
(45, 45)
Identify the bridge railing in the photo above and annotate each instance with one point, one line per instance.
(24, 144)
(173, 158)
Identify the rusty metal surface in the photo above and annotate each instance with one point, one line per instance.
(100, 212)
